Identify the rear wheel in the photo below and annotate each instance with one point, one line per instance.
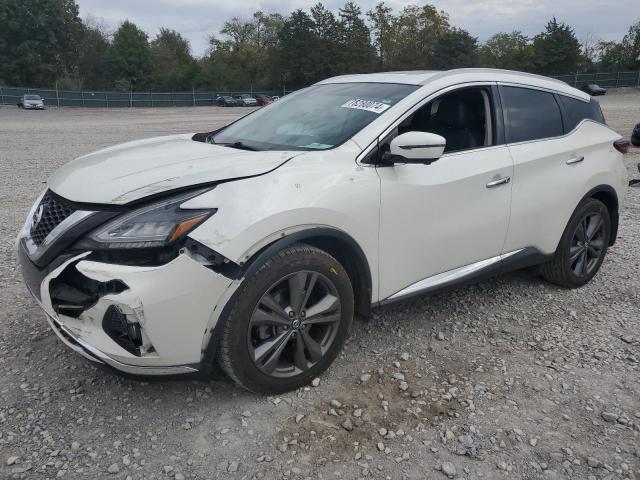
(289, 321)
(582, 248)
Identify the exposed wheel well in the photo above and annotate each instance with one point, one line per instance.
(609, 198)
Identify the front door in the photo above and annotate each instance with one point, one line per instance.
(455, 212)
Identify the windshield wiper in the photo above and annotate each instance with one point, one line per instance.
(239, 146)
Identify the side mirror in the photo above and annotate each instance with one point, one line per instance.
(415, 147)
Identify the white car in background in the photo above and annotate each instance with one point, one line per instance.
(247, 100)
(31, 102)
(255, 245)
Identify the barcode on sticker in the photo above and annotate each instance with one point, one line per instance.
(368, 105)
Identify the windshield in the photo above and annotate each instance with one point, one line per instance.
(32, 97)
(316, 118)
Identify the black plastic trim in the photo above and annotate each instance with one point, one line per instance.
(498, 121)
(219, 263)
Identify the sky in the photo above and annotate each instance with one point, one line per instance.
(198, 19)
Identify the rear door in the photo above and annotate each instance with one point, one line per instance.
(555, 157)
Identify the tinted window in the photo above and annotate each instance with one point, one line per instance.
(578, 110)
(531, 114)
(462, 117)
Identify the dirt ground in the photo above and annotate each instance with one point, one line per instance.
(509, 378)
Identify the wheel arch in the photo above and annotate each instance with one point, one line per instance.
(338, 244)
(607, 195)
(333, 241)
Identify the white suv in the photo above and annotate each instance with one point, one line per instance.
(256, 244)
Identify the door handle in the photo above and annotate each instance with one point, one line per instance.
(498, 182)
(574, 160)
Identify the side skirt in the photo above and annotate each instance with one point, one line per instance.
(474, 272)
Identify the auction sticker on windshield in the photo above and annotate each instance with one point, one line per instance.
(368, 105)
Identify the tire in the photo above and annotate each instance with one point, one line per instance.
(575, 262)
(266, 318)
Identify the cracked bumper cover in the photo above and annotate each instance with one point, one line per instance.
(176, 305)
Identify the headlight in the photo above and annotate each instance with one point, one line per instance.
(156, 225)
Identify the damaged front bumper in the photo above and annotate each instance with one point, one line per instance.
(157, 321)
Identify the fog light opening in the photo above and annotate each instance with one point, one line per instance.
(125, 333)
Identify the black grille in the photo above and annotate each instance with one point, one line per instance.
(52, 211)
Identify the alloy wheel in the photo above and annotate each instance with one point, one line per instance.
(587, 244)
(294, 324)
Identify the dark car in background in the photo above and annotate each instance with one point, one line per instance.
(635, 136)
(31, 102)
(593, 89)
(228, 101)
(263, 99)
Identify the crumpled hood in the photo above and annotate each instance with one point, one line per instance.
(134, 170)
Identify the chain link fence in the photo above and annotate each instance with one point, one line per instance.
(97, 99)
(605, 79)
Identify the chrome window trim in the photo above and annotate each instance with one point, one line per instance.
(543, 89)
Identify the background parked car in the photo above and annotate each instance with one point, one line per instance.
(274, 98)
(593, 89)
(635, 136)
(32, 102)
(246, 99)
(228, 101)
(263, 99)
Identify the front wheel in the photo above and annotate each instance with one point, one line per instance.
(582, 248)
(288, 322)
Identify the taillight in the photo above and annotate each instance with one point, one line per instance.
(622, 145)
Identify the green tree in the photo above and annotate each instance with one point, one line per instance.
(556, 50)
(357, 55)
(92, 64)
(381, 19)
(130, 56)
(327, 48)
(297, 50)
(455, 48)
(174, 69)
(506, 50)
(613, 56)
(246, 56)
(413, 35)
(38, 40)
(631, 46)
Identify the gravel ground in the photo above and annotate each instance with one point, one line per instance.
(509, 378)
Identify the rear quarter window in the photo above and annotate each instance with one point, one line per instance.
(530, 114)
(578, 110)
